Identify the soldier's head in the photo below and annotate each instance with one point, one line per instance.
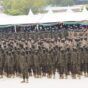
(77, 39)
(9, 53)
(22, 52)
(15, 48)
(36, 52)
(44, 50)
(63, 40)
(18, 52)
(68, 49)
(62, 50)
(81, 38)
(87, 49)
(39, 47)
(4, 46)
(0, 46)
(26, 48)
(12, 52)
(33, 46)
(85, 38)
(74, 49)
(27, 52)
(21, 46)
(81, 48)
(56, 47)
(22, 39)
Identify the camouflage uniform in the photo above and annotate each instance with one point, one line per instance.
(24, 65)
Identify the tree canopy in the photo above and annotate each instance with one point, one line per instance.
(16, 7)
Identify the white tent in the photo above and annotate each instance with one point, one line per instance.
(48, 17)
(84, 14)
(69, 15)
(7, 20)
(4, 19)
(30, 13)
(22, 19)
(33, 18)
(3, 15)
(38, 17)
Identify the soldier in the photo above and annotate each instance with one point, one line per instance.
(62, 59)
(13, 56)
(28, 57)
(37, 63)
(85, 60)
(74, 62)
(24, 66)
(17, 62)
(68, 61)
(54, 59)
(49, 64)
(8, 63)
(1, 62)
(78, 63)
(82, 59)
(43, 58)
(12, 60)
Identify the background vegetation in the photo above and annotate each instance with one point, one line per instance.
(17, 7)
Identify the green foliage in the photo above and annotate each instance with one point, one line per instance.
(16, 7)
(13, 7)
(62, 2)
(67, 2)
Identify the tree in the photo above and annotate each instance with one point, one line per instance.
(38, 5)
(16, 7)
(67, 2)
(62, 2)
(12, 6)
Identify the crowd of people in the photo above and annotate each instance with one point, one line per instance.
(43, 27)
(41, 54)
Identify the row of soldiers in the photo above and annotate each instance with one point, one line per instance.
(43, 56)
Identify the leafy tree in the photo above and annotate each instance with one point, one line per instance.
(67, 2)
(16, 7)
(62, 2)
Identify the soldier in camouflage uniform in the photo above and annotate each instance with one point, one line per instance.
(24, 66)
(1, 61)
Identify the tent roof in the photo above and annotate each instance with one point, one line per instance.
(69, 10)
(48, 17)
(30, 13)
(3, 15)
(69, 15)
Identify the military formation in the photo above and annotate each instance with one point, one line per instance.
(41, 54)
